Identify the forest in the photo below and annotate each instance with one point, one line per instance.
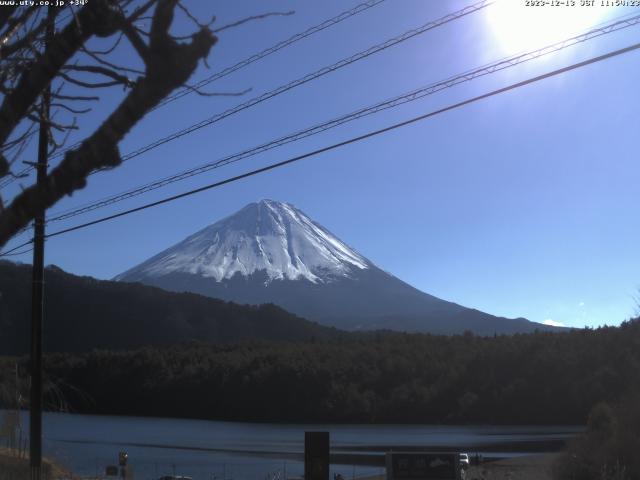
(552, 378)
(83, 313)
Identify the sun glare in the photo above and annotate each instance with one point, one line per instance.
(520, 25)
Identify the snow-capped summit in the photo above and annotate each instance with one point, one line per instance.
(268, 236)
(271, 252)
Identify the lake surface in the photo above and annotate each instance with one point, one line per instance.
(207, 450)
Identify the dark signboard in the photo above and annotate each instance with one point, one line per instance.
(423, 466)
(316, 455)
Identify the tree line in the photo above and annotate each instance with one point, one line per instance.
(386, 377)
(83, 313)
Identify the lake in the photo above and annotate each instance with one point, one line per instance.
(208, 450)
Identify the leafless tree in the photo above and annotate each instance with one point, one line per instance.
(76, 73)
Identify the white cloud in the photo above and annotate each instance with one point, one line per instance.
(552, 323)
(581, 304)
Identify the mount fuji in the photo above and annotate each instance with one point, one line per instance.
(271, 252)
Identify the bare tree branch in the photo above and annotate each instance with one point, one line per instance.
(194, 19)
(252, 18)
(110, 49)
(216, 94)
(70, 109)
(84, 84)
(14, 24)
(106, 63)
(57, 145)
(28, 39)
(75, 98)
(99, 18)
(169, 64)
(140, 11)
(5, 14)
(118, 78)
(55, 125)
(19, 139)
(136, 41)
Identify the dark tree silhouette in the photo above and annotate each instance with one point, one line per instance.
(28, 67)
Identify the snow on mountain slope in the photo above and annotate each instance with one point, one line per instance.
(271, 252)
(267, 236)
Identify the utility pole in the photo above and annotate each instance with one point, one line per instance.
(37, 291)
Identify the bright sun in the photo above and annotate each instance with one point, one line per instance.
(519, 27)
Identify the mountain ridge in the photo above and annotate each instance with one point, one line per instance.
(83, 313)
(271, 252)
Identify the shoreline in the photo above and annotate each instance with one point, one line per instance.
(569, 427)
(526, 467)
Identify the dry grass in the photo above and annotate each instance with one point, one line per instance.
(14, 468)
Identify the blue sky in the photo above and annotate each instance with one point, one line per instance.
(522, 205)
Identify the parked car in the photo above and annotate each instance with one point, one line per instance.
(464, 460)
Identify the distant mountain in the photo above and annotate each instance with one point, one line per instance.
(82, 313)
(272, 252)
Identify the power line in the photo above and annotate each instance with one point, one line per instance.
(17, 254)
(355, 139)
(9, 179)
(229, 70)
(257, 56)
(10, 253)
(384, 105)
(300, 81)
(309, 77)
(346, 142)
(273, 49)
